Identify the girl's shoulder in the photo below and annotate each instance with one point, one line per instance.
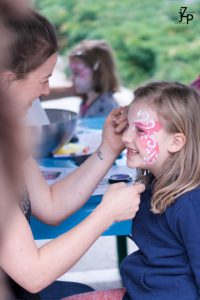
(101, 106)
(185, 207)
(187, 199)
(108, 99)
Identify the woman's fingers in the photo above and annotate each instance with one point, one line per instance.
(121, 127)
(119, 113)
(123, 201)
(120, 119)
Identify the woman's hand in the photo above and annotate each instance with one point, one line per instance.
(114, 127)
(121, 202)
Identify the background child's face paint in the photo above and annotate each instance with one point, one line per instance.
(82, 77)
(147, 128)
(80, 69)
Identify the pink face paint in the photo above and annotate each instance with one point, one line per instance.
(80, 69)
(149, 128)
(82, 77)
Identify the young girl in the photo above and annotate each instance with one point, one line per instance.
(163, 142)
(32, 53)
(94, 76)
(163, 137)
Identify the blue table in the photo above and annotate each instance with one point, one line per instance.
(43, 231)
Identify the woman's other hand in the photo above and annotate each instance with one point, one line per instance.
(114, 127)
(121, 202)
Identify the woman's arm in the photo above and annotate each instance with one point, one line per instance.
(59, 92)
(53, 204)
(34, 268)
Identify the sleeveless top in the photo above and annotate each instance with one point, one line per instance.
(18, 292)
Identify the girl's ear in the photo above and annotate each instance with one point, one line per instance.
(7, 77)
(177, 143)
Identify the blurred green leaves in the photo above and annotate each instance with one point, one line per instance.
(145, 35)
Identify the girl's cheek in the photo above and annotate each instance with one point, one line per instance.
(82, 85)
(142, 141)
(85, 73)
(150, 147)
(152, 155)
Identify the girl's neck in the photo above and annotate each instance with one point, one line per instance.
(90, 97)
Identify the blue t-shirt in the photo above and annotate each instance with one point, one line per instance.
(167, 264)
(100, 107)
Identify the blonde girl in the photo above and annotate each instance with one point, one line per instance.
(163, 141)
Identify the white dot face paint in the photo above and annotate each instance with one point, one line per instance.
(147, 129)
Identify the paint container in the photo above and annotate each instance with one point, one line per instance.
(115, 178)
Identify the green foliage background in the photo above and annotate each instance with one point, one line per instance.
(145, 35)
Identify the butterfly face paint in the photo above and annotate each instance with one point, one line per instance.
(147, 129)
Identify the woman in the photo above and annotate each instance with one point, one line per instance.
(8, 162)
(32, 57)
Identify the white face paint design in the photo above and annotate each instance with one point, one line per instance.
(147, 128)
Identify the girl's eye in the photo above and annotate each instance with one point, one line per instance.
(140, 130)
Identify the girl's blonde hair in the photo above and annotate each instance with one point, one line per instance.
(99, 57)
(178, 106)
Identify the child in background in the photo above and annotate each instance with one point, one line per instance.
(94, 76)
(163, 141)
(196, 83)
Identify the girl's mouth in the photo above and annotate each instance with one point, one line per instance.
(131, 153)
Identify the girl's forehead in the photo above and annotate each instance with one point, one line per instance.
(75, 60)
(137, 111)
(77, 64)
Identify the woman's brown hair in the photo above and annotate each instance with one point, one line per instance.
(178, 106)
(13, 151)
(97, 55)
(33, 41)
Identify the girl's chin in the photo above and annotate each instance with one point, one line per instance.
(134, 164)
